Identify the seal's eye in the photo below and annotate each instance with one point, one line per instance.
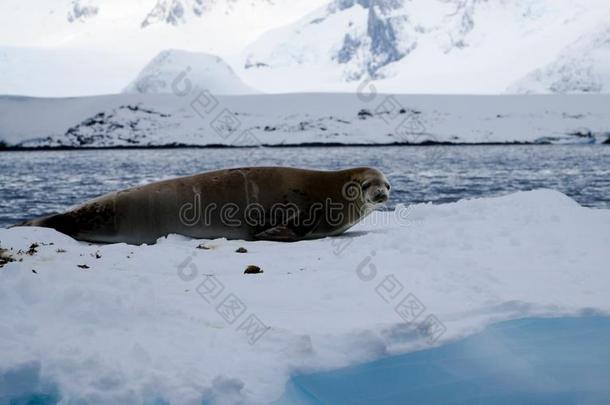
(366, 185)
(387, 185)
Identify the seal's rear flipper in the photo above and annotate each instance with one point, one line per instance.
(279, 234)
(60, 222)
(40, 221)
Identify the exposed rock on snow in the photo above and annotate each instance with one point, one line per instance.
(167, 72)
(81, 11)
(172, 11)
(130, 124)
(175, 12)
(147, 324)
(385, 39)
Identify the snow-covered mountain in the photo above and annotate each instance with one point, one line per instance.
(429, 46)
(203, 71)
(583, 67)
(405, 46)
(74, 33)
(216, 26)
(361, 36)
(175, 12)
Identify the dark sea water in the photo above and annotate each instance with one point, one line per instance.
(39, 182)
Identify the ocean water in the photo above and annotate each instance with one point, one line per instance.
(557, 361)
(40, 182)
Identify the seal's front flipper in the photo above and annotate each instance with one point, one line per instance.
(278, 234)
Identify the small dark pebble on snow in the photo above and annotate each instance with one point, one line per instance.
(253, 270)
(83, 266)
(5, 257)
(242, 250)
(32, 250)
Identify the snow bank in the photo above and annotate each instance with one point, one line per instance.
(194, 117)
(118, 323)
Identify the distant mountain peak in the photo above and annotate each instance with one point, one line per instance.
(81, 10)
(200, 70)
(176, 12)
(381, 35)
(583, 67)
(437, 46)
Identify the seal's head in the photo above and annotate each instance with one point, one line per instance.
(374, 186)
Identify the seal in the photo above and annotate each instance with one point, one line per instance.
(257, 203)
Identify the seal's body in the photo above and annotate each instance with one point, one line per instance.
(260, 203)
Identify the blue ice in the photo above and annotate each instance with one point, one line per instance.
(527, 361)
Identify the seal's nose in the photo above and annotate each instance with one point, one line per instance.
(380, 197)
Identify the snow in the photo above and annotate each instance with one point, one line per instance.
(584, 67)
(196, 117)
(423, 46)
(214, 26)
(204, 71)
(101, 52)
(280, 46)
(135, 325)
(45, 72)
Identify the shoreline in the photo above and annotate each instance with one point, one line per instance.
(278, 146)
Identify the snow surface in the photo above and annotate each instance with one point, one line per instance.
(204, 71)
(132, 324)
(199, 118)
